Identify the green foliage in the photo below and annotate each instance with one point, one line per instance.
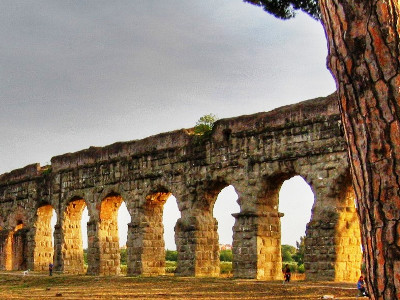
(124, 269)
(285, 9)
(294, 257)
(85, 261)
(301, 269)
(204, 125)
(171, 255)
(225, 255)
(299, 255)
(225, 267)
(47, 170)
(170, 266)
(123, 257)
(287, 253)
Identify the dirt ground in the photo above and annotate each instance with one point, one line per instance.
(13, 285)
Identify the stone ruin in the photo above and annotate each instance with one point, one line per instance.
(254, 153)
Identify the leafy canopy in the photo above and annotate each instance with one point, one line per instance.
(205, 124)
(285, 9)
(287, 252)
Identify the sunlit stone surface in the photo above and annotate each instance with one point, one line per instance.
(254, 153)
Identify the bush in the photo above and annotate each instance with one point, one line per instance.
(85, 261)
(205, 124)
(301, 269)
(225, 255)
(299, 255)
(124, 269)
(225, 267)
(170, 266)
(171, 255)
(123, 256)
(288, 252)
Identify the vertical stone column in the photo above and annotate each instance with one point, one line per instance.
(146, 253)
(107, 234)
(320, 253)
(93, 251)
(257, 245)
(42, 247)
(72, 250)
(109, 247)
(347, 236)
(196, 238)
(31, 248)
(146, 246)
(19, 250)
(333, 250)
(348, 246)
(320, 256)
(3, 248)
(9, 250)
(58, 238)
(133, 249)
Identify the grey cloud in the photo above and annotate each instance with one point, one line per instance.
(93, 72)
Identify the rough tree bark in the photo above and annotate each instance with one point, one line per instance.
(363, 41)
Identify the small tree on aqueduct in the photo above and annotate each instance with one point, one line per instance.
(205, 124)
(364, 49)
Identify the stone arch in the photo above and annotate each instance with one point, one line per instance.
(333, 250)
(43, 251)
(257, 246)
(108, 238)
(72, 249)
(15, 248)
(147, 253)
(196, 232)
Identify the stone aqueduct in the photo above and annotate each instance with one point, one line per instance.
(254, 153)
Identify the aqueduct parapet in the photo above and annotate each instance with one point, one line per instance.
(254, 153)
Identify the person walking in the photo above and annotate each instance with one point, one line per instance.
(50, 269)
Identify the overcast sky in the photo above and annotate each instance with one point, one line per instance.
(76, 74)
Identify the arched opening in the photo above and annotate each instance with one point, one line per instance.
(72, 249)
(226, 205)
(258, 233)
(124, 218)
(146, 246)
(44, 241)
(84, 234)
(84, 223)
(197, 234)
(108, 235)
(153, 254)
(171, 214)
(296, 200)
(15, 248)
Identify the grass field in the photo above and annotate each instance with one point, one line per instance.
(40, 286)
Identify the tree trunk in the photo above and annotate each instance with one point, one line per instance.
(363, 41)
